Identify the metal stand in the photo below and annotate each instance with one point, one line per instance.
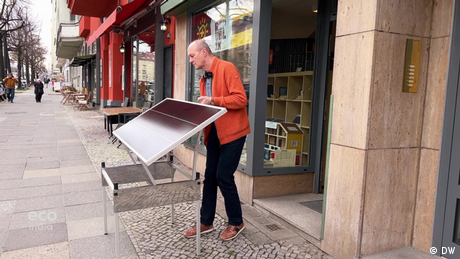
(127, 196)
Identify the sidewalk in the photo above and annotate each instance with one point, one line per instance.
(50, 196)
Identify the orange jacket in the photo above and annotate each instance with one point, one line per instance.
(227, 92)
(10, 82)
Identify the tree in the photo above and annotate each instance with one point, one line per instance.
(25, 46)
(11, 20)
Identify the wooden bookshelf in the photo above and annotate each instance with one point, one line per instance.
(298, 87)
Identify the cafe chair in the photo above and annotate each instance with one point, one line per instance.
(83, 104)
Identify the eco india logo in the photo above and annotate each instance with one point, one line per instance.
(43, 218)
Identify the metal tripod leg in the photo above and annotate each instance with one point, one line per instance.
(104, 203)
(198, 228)
(117, 236)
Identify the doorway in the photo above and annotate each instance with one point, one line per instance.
(301, 62)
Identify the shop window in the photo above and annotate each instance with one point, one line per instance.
(143, 59)
(227, 28)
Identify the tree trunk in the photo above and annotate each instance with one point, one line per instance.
(6, 56)
(19, 69)
(28, 79)
(2, 61)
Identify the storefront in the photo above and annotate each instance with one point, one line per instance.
(292, 55)
(284, 51)
(380, 188)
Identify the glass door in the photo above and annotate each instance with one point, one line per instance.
(451, 234)
(135, 66)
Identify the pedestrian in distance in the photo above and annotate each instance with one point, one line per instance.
(38, 91)
(10, 82)
(221, 86)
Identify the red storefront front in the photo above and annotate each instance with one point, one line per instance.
(131, 23)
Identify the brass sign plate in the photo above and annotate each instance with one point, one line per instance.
(411, 65)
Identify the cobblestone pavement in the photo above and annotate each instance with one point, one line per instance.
(151, 231)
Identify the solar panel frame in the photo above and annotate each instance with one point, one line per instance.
(170, 110)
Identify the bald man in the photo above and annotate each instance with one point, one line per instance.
(221, 86)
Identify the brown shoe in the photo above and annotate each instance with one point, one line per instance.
(231, 232)
(191, 232)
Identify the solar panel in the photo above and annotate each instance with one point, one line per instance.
(164, 126)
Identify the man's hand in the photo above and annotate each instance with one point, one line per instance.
(205, 99)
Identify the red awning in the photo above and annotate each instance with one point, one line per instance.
(116, 18)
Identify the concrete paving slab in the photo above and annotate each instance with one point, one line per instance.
(67, 136)
(9, 146)
(42, 181)
(5, 155)
(77, 169)
(42, 165)
(9, 184)
(53, 251)
(78, 187)
(86, 211)
(74, 150)
(84, 197)
(39, 159)
(43, 152)
(38, 204)
(73, 157)
(12, 168)
(45, 140)
(41, 173)
(78, 178)
(91, 227)
(85, 161)
(38, 191)
(11, 176)
(66, 141)
(27, 238)
(7, 207)
(8, 195)
(36, 218)
(100, 247)
(14, 161)
(44, 145)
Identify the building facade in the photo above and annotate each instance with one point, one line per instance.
(371, 86)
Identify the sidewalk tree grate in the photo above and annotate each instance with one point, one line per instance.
(272, 227)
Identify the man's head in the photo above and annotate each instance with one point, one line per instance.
(10, 75)
(39, 80)
(200, 55)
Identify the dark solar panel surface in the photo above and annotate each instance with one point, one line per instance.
(165, 126)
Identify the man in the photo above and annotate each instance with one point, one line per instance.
(142, 94)
(224, 139)
(10, 82)
(38, 91)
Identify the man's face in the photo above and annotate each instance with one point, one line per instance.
(196, 56)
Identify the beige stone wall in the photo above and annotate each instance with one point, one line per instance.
(385, 143)
(432, 124)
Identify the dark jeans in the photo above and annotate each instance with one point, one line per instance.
(10, 94)
(38, 97)
(221, 163)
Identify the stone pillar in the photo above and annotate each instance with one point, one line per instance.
(432, 123)
(376, 128)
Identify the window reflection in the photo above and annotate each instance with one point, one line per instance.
(227, 29)
(143, 88)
